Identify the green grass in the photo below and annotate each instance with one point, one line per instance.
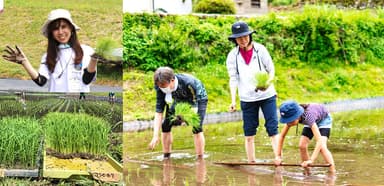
(24, 19)
(303, 83)
(105, 46)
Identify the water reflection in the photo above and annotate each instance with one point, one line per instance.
(201, 171)
(170, 177)
(183, 169)
(281, 176)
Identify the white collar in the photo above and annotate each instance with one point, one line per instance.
(176, 84)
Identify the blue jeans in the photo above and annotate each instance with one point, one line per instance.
(251, 116)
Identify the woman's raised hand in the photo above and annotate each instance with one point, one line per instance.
(14, 55)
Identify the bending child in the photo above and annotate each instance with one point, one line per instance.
(317, 122)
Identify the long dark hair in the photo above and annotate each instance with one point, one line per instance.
(52, 48)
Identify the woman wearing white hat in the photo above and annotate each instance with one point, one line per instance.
(243, 63)
(67, 65)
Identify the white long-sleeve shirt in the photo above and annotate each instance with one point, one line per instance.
(242, 76)
(66, 77)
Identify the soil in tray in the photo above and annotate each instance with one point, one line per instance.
(77, 164)
(18, 167)
(54, 153)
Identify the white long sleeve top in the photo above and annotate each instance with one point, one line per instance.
(66, 77)
(242, 76)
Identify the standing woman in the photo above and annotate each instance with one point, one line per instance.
(317, 123)
(172, 89)
(243, 62)
(67, 65)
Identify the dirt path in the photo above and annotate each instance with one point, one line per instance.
(30, 86)
(224, 117)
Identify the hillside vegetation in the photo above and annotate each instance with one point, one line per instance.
(321, 54)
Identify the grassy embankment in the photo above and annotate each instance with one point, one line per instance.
(22, 20)
(297, 81)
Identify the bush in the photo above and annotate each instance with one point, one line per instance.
(282, 2)
(215, 7)
(318, 35)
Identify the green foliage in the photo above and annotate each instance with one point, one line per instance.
(20, 139)
(68, 133)
(281, 2)
(188, 114)
(319, 35)
(105, 47)
(262, 80)
(179, 42)
(362, 4)
(215, 7)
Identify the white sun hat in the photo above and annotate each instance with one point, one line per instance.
(57, 14)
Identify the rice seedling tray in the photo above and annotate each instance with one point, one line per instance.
(33, 172)
(108, 170)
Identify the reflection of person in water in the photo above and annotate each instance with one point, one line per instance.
(278, 176)
(169, 176)
(168, 172)
(201, 171)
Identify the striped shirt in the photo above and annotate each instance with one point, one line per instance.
(315, 113)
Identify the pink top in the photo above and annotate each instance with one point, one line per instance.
(247, 55)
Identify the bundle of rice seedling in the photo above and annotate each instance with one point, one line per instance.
(20, 139)
(185, 112)
(262, 80)
(77, 135)
(105, 48)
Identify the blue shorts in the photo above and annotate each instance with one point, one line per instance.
(251, 116)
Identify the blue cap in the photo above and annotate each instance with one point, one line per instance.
(240, 29)
(290, 111)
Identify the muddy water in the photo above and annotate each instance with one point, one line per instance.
(355, 166)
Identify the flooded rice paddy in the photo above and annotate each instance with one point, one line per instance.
(355, 166)
(356, 142)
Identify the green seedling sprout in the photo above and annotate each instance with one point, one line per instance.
(68, 133)
(188, 115)
(20, 138)
(105, 47)
(262, 80)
